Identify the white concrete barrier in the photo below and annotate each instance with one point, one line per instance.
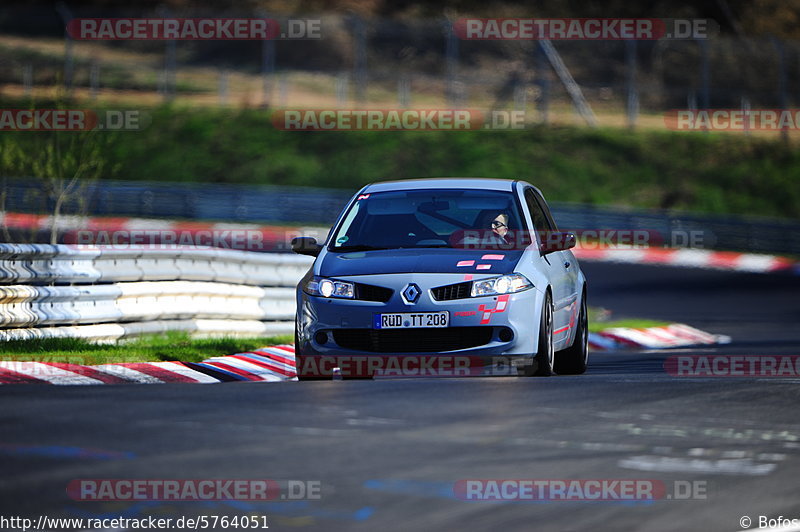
(108, 293)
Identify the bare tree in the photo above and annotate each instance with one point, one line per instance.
(64, 163)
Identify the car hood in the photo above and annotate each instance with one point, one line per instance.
(419, 261)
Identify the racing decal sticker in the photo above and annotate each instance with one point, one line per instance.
(465, 263)
(493, 257)
(467, 276)
(362, 196)
(502, 304)
(483, 267)
(572, 313)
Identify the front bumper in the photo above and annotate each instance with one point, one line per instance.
(482, 327)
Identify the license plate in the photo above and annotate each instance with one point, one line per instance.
(412, 320)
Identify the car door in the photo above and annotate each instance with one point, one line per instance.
(562, 266)
(571, 279)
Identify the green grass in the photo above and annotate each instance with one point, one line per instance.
(179, 346)
(599, 320)
(634, 323)
(170, 346)
(717, 173)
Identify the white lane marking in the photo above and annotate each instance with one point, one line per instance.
(727, 433)
(695, 465)
(317, 431)
(585, 446)
(604, 446)
(735, 454)
(771, 456)
(370, 421)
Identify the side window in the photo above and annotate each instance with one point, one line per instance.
(540, 220)
(546, 211)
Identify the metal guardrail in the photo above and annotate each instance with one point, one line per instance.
(269, 205)
(730, 233)
(194, 201)
(58, 291)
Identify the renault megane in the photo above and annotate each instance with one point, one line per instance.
(449, 266)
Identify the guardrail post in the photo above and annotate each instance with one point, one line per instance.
(66, 16)
(631, 88)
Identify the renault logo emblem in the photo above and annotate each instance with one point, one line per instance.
(411, 293)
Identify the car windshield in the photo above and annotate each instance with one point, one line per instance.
(427, 219)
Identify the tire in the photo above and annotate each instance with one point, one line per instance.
(298, 358)
(574, 359)
(543, 360)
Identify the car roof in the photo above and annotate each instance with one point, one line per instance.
(483, 183)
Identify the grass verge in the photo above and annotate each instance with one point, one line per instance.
(170, 346)
(715, 173)
(633, 323)
(179, 346)
(599, 320)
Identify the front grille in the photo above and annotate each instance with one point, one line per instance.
(452, 291)
(368, 292)
(412, 340)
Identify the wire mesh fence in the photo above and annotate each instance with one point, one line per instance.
(390, 63)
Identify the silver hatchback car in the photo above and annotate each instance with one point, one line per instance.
(426, 268)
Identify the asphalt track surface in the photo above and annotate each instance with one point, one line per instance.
(388, 452)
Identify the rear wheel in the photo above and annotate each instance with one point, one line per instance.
(543, 361)
(573, 360)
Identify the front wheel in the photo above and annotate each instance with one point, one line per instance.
(574, 359)
(543, 361)
(299, 359)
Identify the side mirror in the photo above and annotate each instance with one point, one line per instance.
(306, 245)
(556, 241)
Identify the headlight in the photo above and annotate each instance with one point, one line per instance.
(330, 288)
(506, 284)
